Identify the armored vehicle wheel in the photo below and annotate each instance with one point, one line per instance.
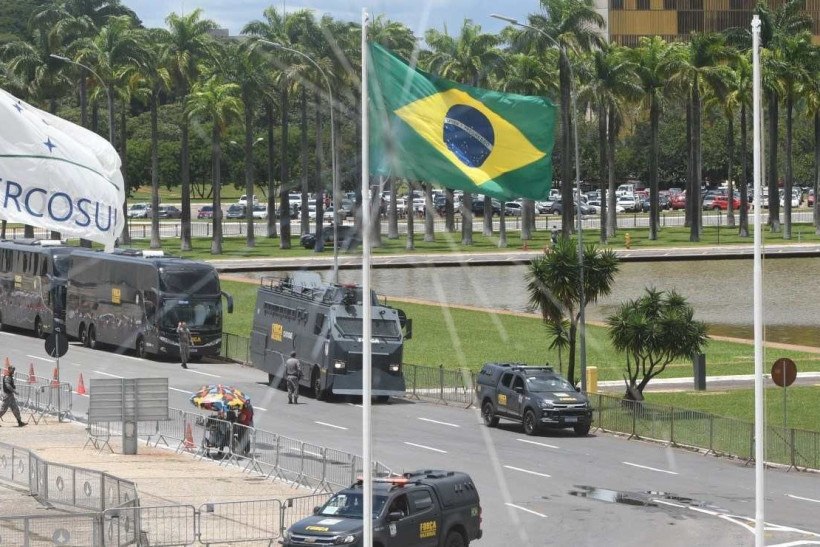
(316, 381)
(92, 337)
(142, 353)
(38, 328)
(530, 425)
(454, 539)
(487, 414)
(582, 430)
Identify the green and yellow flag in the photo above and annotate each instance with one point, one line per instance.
(430, 129)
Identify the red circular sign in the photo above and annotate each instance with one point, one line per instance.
(784, 372)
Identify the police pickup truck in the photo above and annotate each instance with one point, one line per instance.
(538, 397)
(425, 508)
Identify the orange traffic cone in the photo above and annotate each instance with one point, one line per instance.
(55, 382)
(32, 379)
(188, 443)
(80, 386)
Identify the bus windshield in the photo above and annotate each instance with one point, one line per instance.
(189, 281)
(198, 314)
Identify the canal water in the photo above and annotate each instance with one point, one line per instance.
(719, 290)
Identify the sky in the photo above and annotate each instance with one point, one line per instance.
(419, 15)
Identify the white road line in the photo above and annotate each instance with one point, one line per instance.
(802, 498)
(669, 503)
(426, 447)
(795, 543)
(260, 408)
(331, 425)
(650, 468)
(527, 471)
(106, 374)
(203, 373)
(181, 391)
(526, 510)
(41, 358)
(448, 424)
(537, 443)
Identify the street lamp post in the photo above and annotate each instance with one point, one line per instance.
(335, 183)
(582, 350)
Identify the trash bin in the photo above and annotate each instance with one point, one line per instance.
(699, 371)
(592, 379)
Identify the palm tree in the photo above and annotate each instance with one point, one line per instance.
(575, 26)
(724, 97)
(189, 44)
(218, 103)
(471, 57)
(554, 286)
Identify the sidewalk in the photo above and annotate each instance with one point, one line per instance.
(162, 476)
(723, 382)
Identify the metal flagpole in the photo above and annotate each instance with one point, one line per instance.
(367, 310)
(758, 290)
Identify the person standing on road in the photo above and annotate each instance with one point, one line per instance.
(293, 373)
(184, 343)
(10, 397)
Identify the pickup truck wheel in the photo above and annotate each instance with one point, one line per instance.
(582, 430)
(490, 420)
(530, 425)
(454, 539)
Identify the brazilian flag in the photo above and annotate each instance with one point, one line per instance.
(426, 128)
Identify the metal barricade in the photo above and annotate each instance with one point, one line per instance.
(239, 521)
(155, 526)
(75, 529)
(295, 509)
(440, 384)
(14, 464)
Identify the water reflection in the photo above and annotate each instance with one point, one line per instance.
(719, 290)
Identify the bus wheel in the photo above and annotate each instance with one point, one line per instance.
(92, 337)
(38, 328)
(316, 381)
(141, 351)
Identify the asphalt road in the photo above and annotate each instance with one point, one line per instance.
(552, 489)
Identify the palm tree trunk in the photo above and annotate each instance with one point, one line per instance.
(429, 214)
(654, 213)
(83, 101)
(155, 240)
(216, 176)
(774, 194)
(249, 186)
(320, 185)
(816, 209)
(602, 170)
(488, 216)
(467, 219)
(526, 225)
(730, 160)
(125, 237)
(787, 190)
(304, 220)
(744, 176)
(410, 244)
(695, 228)
(271, 171)
(392, 211)
(566, 148)
(449, 211)
(690, 169)
(612, 218)
(502, 228)
(185, 176)
(284, 188)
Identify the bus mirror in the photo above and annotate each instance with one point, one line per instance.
(229, 300)
(408, 329)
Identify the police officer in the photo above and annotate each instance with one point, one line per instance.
(9, 397)
(293, 373)
(184, 343)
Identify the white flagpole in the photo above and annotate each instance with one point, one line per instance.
(758, 291)
(367, 313)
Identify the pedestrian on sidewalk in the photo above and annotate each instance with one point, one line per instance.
(184, 343)
(293, 373)
(10, 396)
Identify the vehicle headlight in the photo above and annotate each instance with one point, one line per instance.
(395, 367)
(345, 539)
(339, 365)
(547, 404)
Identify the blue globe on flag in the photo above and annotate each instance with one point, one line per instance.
(468, 134)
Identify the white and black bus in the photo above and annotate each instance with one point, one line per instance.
(134, 300)
(30, 271)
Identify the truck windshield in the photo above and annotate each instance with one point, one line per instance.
(62, 263)
(349, 504)
(352, 326)
(198, 314)
(544, 383)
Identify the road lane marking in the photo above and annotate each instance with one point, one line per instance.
(107, 374)
(527, 471)
(181, 391)
(802, 498)
(426, 447)
(650, 468)
(664, 502)
(331, 425)
(203, 373)
(260, 408)
(41, 358)
(536, 513)
(537, 443)
(448, 424)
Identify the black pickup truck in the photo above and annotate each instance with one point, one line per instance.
(425, 508)
(538, 397)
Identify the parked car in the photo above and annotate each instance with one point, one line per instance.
(235, 211)
(260, 211)
(721, 203)
(810, 198)
(138, 210)
(206, 211)
(349, 238)
(557, 207)
(513, 209)
(677, 201)
(328, 215)
(168, 211)
(243, 200)
(629, 202)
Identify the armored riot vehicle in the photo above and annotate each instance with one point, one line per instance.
(322, 323)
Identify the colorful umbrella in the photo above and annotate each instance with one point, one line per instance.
(219, 397)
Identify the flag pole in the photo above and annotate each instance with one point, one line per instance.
(367, 310)
(758, 290)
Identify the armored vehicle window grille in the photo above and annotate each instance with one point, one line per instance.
(382, 328)
(320, 322)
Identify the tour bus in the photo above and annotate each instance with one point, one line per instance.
(30, 272)
(134, 299)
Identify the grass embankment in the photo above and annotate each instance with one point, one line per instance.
(457, 337)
